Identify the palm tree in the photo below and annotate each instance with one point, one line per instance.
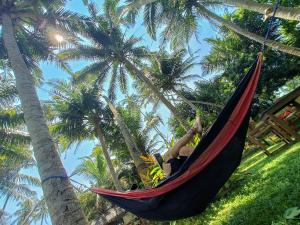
(151, 119)
(31, 211)
(288, 13)
(140, 137)
(180, 18)
(15, 156)
(94, 168)
(14, 148)
(230, 54)
(82, 116)
(134, 150)
(27, 19)
(171, 70)
(141, 125)
(152, 122)
(14, 184)
(112, 53)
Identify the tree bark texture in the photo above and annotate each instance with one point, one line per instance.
(109, 218)
(135, 153)
(282, 12)
(112, 171)
(193, 107)
(63, 206)
(270, 43)
(288, 13)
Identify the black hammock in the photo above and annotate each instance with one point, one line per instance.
(189, 190)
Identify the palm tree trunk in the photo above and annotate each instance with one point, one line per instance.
(193, 107)
(25, 220)
(273, 44)
(61, 200)
(282, 12)
(100, 135)
(293, 12)
(130, 142)
(158, 131)
(204, 103)
(161, 135)
(166, 102)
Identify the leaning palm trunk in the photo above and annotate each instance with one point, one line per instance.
(110, 217)
(112, 171)
(157, 93)
(282, 12)
(130, 143)
(193, 107)
(161, 135)
(273, 44)
(27, 217)
(158, 132)
(61, 200)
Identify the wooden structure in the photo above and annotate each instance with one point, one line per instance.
(282, 120)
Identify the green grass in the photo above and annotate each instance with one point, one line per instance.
(262, 197)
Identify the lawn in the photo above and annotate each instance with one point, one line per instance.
(263, 188)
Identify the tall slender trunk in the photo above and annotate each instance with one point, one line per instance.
(282, 12)
(193, 107)
(61, 200)
(165, 101)
(273, 44)
(161, 135)
(158, 131)
(25, 220)
(113, 173)
(130, 142)
(288, 12)
(205, 103)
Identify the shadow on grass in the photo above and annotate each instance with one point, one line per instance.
(273, 187)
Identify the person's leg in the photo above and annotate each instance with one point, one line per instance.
(173, 152)
(186, 151)
(167, 169)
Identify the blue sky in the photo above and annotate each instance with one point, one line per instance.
(50, 71)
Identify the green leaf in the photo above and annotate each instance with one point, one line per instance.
(292, 213)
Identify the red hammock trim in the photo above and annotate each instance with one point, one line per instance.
(212, 151)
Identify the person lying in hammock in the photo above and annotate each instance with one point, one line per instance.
(175, 157)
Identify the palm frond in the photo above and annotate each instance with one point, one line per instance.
(112, 83)
(150, 18)
(11, 118)
(94, 69)
(8, 91)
